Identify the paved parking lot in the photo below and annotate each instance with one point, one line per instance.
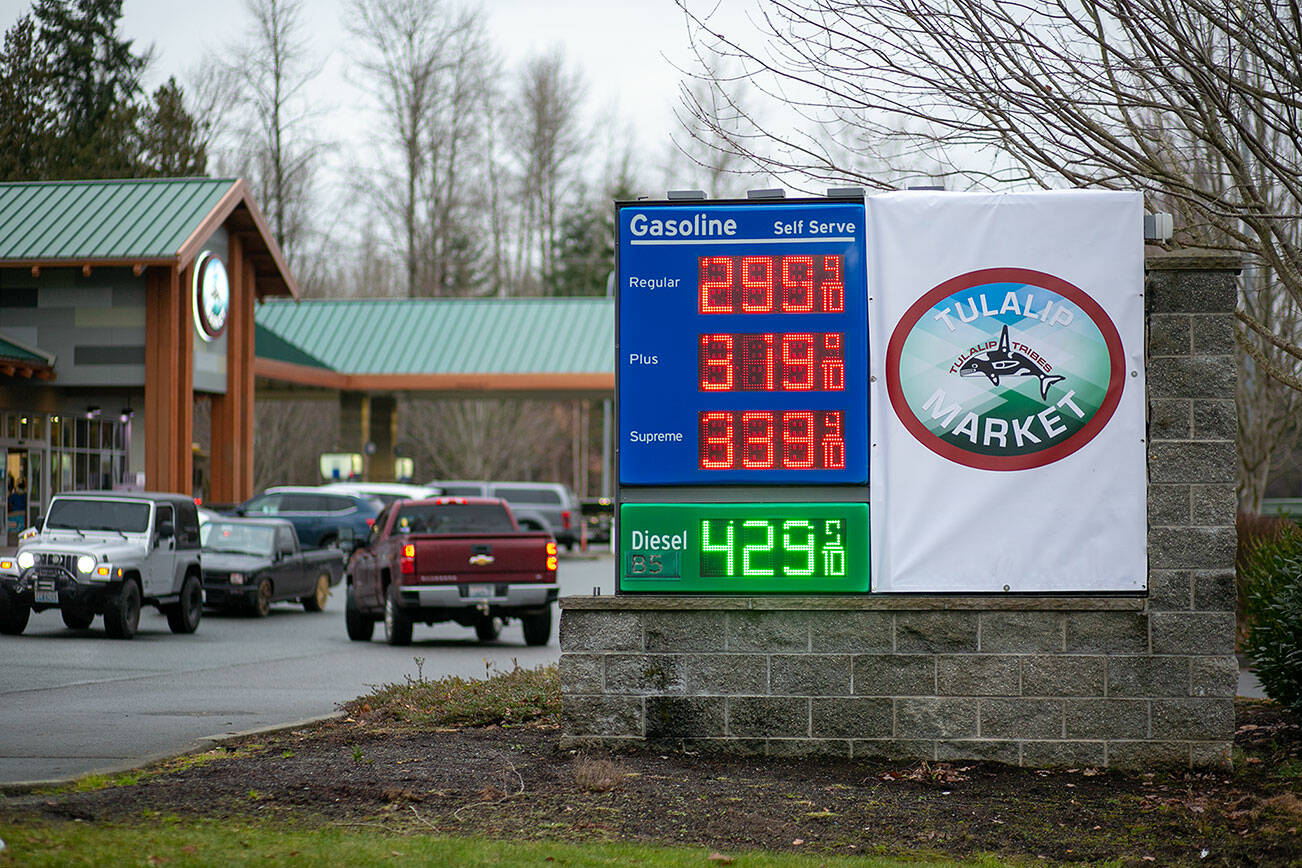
(75, 701)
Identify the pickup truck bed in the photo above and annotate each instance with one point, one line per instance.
(451, 559)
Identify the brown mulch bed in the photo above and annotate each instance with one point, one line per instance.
(516, 783)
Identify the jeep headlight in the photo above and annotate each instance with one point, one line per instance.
(86, 565)
(26, 560)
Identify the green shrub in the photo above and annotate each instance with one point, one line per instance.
(1271, 574)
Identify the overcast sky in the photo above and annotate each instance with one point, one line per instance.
(626, 48)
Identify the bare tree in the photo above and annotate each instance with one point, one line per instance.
(1195, 103)
(425, 63)
(487, 439)
(280, 148)
(288, 439)
(708, 103)
(548, 146)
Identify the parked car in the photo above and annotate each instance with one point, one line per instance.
(461, 559)
(385, 492)
(549, 506)
(107, 553)
(321, 518)
(251, 563)
(598, 516)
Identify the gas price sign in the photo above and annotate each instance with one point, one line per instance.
(742, 344)
(742, 341)
(744, 547)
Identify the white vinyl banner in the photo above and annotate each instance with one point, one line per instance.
(1006, 337)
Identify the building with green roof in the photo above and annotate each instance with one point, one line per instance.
(120, 300)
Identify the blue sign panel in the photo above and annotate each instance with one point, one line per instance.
(743, 344)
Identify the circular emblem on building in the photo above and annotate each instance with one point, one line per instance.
(1005, 369)
(211, 294)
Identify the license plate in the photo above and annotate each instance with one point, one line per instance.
(47, 596)
(481, 591)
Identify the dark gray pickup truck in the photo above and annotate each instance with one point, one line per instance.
(250, 563)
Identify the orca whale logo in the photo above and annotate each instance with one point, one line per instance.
(986, 418)
(1004, 362)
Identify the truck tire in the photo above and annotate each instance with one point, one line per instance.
(316, 601)
(537, 628)
(360, 627)
(122, 611)
(261, 605)
(76, 619)
(183, 615)
(488, 629)
(397, 623)
(13, 614)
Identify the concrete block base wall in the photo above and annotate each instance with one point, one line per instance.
(1034, 681)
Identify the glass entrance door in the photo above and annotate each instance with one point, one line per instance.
(16, 480)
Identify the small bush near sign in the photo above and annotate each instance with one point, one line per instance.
(1272, 583)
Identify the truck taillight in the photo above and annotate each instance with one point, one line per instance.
(407, 563)
(565, 519)
(551, 556)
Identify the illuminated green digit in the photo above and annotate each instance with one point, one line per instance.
(746, 568)
(726, 546)
(807, 547)
(833, 551)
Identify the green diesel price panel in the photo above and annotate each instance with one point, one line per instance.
(792, 548)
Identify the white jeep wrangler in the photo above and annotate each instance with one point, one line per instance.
(107, 553)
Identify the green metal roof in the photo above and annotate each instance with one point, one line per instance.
(11, 349)
(104, 220)
(441, 335)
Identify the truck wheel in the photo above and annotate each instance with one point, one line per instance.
(76, 619)
(262, 600)
(487, 629)
(397, 623)
(316, 601)
(122, 611)
(184, 615)
(537, 628)
(360, 627)
(13, 614)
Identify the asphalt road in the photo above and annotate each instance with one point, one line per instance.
(73, 702)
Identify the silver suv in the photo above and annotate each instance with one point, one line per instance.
(107, 553)
(549, 506)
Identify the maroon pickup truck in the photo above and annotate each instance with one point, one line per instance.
(460, 559)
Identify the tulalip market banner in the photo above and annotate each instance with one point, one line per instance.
(1007, 392)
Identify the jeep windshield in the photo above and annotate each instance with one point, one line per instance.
(116, 516)
(233, 538)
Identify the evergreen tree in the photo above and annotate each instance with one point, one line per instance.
(72, 104)
(27, 119)
(170, 141)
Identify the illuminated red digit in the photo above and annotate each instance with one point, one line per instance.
(833, 441)
(797, 362)
(797, 284)
(757, 440)
(798, 440)
(716, 284)
(832, 366)
(716, 441)
(757, 362)
(833, 290)
(757, 284)
(715, 363)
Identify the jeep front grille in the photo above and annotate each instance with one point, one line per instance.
(67, 562)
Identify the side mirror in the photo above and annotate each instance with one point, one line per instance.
(165, 530)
